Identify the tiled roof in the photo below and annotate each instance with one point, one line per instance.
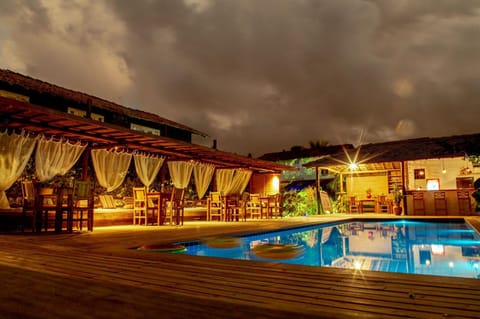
(32, 84)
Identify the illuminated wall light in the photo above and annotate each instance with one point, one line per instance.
(276, 184)
(427, 262)
(451, 264)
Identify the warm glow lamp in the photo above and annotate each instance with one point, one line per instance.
(276, 184)
(353, 166)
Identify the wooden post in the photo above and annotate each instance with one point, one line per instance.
(317, 192)
(85, 163)
(404, 198)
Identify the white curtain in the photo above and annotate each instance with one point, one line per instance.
(147, 167)
(110, 167)
(240, 181)
(15, 150)
(180, 172)
(55, 158)
(224, 178)
(203, 174)
(232, 181)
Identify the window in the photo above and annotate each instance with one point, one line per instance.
(98, 117)
(144, 129)
(77, 112)
(14, 96)
(82, 113)
(433, 184)
(419, 173)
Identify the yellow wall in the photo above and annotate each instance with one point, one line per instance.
(357, 184)
(264, 184)
(446, 170)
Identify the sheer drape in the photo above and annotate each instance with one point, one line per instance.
(224, 178)
(232, 181)
(240, 181)
(203, 174)
(180, 172)
(15, 150)
(147, 167)
(110, 167)
(54, 158)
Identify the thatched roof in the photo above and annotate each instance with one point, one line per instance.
(405, 150)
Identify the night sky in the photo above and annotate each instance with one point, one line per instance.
(261, 76)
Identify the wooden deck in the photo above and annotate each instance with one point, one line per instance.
(96, 275)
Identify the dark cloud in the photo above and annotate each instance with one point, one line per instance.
(261, 76)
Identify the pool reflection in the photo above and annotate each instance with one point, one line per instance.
(445, 249)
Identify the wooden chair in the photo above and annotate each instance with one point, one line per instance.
(440, 203)
(464, 203)
(107, 201)
(275, 205)
(64, 209)
(140, 205)
(175, 206)
(28, 208)
(45, 207)
(83, 204)
(154, 206)
(353, 205)
(215, 206)
(418, 203)
(254, 206)
(238, 209)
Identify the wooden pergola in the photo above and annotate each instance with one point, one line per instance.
(18, 115)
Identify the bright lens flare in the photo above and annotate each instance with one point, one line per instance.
(357, 265)
(353, 166)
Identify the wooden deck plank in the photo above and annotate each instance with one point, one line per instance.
(100, 270)
(201, 284)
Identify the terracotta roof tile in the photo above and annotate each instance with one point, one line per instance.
(36, 85)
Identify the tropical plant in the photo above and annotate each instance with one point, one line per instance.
(397, 194)
(300, 203)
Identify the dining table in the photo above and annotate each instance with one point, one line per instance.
(59, 201)
(159, 200)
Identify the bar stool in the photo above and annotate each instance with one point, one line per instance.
(464, 204)
(440, 203)
(418, 203)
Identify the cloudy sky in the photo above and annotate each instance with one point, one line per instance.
(262, 75)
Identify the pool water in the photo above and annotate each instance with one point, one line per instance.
(414, 247)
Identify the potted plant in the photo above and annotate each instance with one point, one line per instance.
(397, 199)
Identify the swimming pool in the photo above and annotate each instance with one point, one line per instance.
(447, 248)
